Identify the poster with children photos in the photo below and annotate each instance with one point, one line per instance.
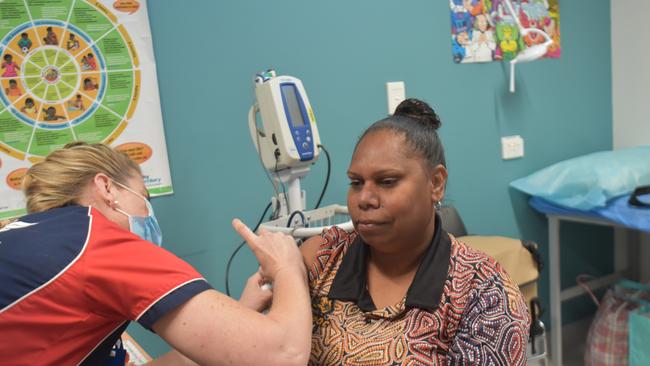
(484, 30)
(77, 70)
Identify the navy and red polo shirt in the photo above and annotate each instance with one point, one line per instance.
(71, 280)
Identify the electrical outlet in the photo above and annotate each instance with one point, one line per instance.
(396, 93)
(512, 147)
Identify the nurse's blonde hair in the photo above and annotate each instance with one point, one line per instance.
(63, 176)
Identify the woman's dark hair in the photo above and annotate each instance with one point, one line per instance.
(418, 122)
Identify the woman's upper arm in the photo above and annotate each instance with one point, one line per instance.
(499, 307)
(309, 250)
(213, 329)
(326, 246)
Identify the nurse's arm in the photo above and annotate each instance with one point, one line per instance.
(172, 358)
(213, 329)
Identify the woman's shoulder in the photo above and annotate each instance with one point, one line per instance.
(329, 240)
(319, 252)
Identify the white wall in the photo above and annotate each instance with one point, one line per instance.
(631, 95)
(630, 72)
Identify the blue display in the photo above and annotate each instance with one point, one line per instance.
(290, 98)
(296, 113)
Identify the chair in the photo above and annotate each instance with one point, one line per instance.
(522, 262)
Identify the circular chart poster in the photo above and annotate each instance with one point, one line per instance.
(70, 71)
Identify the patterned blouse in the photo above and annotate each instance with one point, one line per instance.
(461, 309)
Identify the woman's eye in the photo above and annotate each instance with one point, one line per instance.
(388, 182)
(355, 183)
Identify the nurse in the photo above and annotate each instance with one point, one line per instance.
(85, 261)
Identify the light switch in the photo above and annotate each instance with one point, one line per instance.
(512, 147)
(396, 93)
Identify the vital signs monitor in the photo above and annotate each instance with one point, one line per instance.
(289, 138)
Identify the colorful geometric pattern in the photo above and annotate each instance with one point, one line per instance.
(69, 72)
(482, 318)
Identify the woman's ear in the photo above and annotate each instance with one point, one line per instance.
(438, 182)
(104, 189)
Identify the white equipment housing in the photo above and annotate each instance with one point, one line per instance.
(290, 137)
(287, 145)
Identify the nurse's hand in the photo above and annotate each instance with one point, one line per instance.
(255, 296)
(275, 252)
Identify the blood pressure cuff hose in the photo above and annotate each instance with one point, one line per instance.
(634, 198)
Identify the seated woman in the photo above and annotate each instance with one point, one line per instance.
(84, 262)
(399, 290)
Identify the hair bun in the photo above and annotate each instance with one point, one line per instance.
(418, 110)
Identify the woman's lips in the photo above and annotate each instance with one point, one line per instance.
(368, 225)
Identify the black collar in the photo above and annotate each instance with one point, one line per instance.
(426, 289)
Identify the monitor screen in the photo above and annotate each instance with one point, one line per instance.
(292, 105)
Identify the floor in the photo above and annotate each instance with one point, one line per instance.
(573, 343)
(574, 336)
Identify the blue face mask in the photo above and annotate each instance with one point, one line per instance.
(145, 227)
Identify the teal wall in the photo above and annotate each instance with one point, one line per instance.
(345, 52)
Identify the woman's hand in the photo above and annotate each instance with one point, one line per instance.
(254, 296)
(275, 252)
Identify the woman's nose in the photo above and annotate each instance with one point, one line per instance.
(368, 198)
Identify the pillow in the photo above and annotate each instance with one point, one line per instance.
(589, 181)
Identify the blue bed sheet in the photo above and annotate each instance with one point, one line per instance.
(617, 210)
